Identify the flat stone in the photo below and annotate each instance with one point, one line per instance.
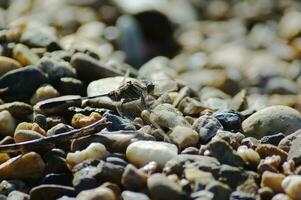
(286, 143)
(224, 153)
(50, 191)
(27, 166)
(265, 150)
(17, 109)
(292, 186)
(162, 188)
(7, 64)
(26, 135)
(142, 152)
(272, 120)
(184, 137)
(90, 69)
(133, 179)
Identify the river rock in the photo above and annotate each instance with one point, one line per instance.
(28, 79)
(102, 193)
(17, 109)
(272, 120)
(286, 142)
(7, 123)
(26, 135)
(129, 195)
(7, 64)
(184, 137)
(272, 180)
(50, 191)
(162, 188)
(295, 151)
(27, 166)
(43, 93)
(142, 152)
(292, 186)
(133, 179)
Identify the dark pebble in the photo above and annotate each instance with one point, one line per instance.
(230, 119)
(272, 139)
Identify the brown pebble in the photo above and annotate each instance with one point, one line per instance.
(265, 150)
(272, 180)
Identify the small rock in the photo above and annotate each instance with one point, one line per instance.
(43, 93)
(69, 86)
(58, 179)
(59, 128)
(24, 55)
(162, 188)
(272, 180)
(28, 79)
(270, 163)
(248, 155)
(207, 127)
(7, 64)
(17, 195)
(265, 193)
(133, 179)
(26, 135)
(292, 186)
(90, 69)
(184, 137)
(80, 120)
(281, 196)
(289, 26)
(194, 175)
(129, 195)
(51, 191)
(7, 123)
(230, 119)
(232, 176)
(30, 126)
(141, 152)
(221, 191)
(26, 166)
(190, 106)
(267, 121)
(8, 186)
(93, 151)
(102, 193)
(224, 153)
(234, 139)
(272, 139)
(165, 115)
(265, 150)
(285, 143)
(17, 109)
(295, 151)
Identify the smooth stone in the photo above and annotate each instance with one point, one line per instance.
(90, 69)
(56, 68)
(286, 143)
(281, 196)
(69, 86)
(17, 109)
(93, 151)
(24, 55)
(17, 195)
(7, 123)
(55, 162)
(282, 86)
(272, 139)
(59, 128)
(182, 161)
(165, 115)
(26, 135)
(102, 193)
(133, 179)
(234, 139)
(272, 180)
(292, 186)
(224, 153)
(294, 152)
(129, 195)
(26, 166)
(272, 120)
(162, 188)
(7, 186)
(207, 127)
(265, 150)
(184, 137)
(50, 191)
(142, 152)
(7, 64)
(220, 190)
(104, 86)
(44, 92)
(230, 119)
(190, 106)
(28, 79)
(58, 179)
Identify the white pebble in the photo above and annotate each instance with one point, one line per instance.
(292, 186)
(7, 123)
(142, 152)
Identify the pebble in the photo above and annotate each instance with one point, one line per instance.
(221, 191)
(29, 79)
(97, 193)
(295, 151)
(207, 127)
(286, 142)
(184, 137)
(50, 191)
(17, 109)
(224, 153)
(272, 180)
(230, 120)
(248, 155)
(26, 135)
(30, 126)
(8, 64)
(7, 123)
(93, 151)
(8, 186)
(265, 150)
(142, 152)
(129, 195)
(24, 55)
(232, 176)
(159, 186)
(59, 128)
(267, 122)
(292, 186)
(133, 179)
(43, 93)
(272, 139)
(17, 195)
(90, 69)
(70, 86)
(80, 120)
(165, 115)
(26, 166)
(281, 196)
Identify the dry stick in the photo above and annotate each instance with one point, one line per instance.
(51, 140)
